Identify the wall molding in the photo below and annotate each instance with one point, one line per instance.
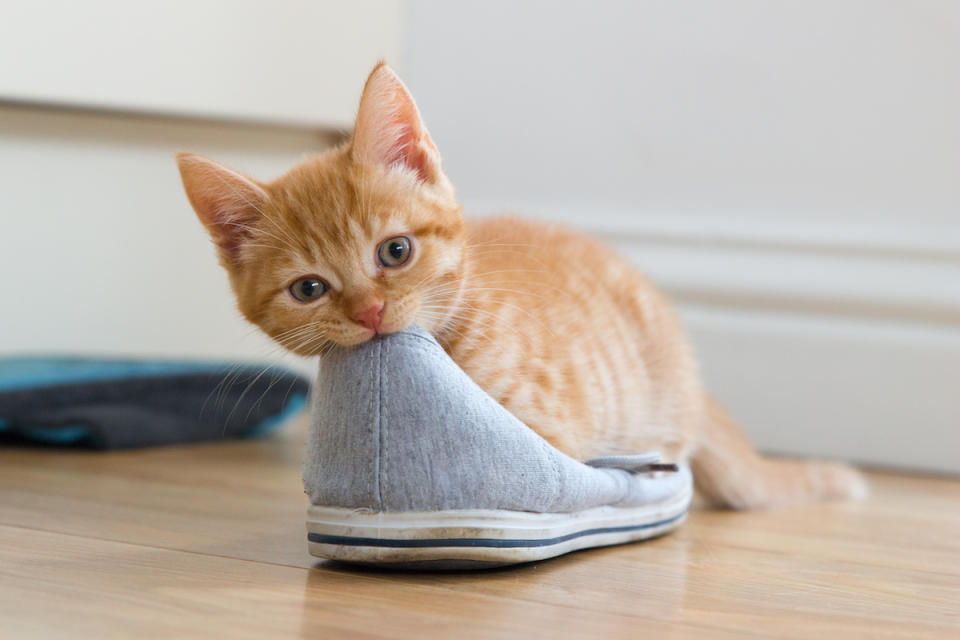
(870, 240)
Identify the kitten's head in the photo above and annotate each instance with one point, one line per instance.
(366, 238)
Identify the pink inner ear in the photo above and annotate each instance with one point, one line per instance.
(389, 131)
(228, 203)
(230, 217)
(407, 149)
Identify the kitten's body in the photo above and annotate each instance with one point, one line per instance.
(574, 342)
(559, 329)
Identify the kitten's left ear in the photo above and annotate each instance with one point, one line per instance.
(228, 203)
(389, 131)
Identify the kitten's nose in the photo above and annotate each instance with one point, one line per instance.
(370, 317)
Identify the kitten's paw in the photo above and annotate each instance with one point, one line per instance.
(839, 481)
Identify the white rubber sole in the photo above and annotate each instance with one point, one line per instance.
(478, 538)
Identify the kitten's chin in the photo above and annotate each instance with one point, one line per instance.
(396, 326)
(365, 335)
(361, 335)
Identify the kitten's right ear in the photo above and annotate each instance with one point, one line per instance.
(389, 131)
(227, 203)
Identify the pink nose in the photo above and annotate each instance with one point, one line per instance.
(370, 317)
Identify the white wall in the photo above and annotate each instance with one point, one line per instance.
(99, 249)
(789, 171)
(813, 109)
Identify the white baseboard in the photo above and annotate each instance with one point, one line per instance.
(875, 392)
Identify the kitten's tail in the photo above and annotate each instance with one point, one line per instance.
(729, 472)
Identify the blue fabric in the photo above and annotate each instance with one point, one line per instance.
(123, 403)
(295, 405)
(67, 434)
(41, 371)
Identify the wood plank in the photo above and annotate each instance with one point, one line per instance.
(191, 541)
(55, 585)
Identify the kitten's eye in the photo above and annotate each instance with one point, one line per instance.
(308, 289)
(394, 252)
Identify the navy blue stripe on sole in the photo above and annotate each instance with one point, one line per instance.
(502, 543)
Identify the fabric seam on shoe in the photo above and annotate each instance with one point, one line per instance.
(550, 452)
(384, 425)
(429, 340)
(377, 399)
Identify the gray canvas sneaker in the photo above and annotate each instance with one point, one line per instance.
(409, 462)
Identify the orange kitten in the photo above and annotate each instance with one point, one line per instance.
(368, 238)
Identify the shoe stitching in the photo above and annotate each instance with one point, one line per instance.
(423, 349)
(384, 425)
(550, 452)
(376, 399)
(428, 339)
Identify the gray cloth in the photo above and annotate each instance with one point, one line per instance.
(398, 426)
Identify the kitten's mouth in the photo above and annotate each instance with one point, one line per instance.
(385, 327)
(369, 333)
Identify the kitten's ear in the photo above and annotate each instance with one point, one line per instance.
(389, 130)
(227, 203)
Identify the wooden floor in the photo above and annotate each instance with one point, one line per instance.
(209, 541)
